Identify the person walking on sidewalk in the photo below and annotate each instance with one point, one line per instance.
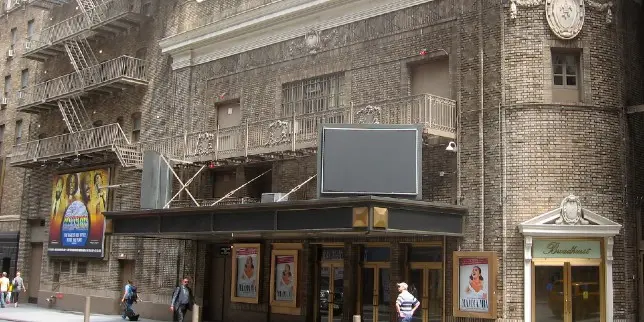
(4, 289)
(18, 287)
(129, 298)
(182, 301)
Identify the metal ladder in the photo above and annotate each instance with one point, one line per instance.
(92, 9)
(80, 54)
(74, 113)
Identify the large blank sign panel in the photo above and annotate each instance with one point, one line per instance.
(370, 160)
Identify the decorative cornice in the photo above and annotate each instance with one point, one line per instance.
(272, 24)
(607, 6)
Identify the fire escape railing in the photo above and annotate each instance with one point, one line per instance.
(118, 68)
(93, 139)
(78, 24)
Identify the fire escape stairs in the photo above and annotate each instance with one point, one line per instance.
(91, 8)
(73, 113)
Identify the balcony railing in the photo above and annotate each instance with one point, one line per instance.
(437, 114)
(80, 23)
(11, 5)
(122, 68)
(82, 142)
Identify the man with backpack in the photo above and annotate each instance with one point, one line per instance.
(130, 297)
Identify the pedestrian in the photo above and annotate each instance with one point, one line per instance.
(406, 303)
(130, 297)
(18, 287)
(182, 300)
(4, 289)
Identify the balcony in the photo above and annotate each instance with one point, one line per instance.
(268, 139)
(128, 205)
(96, 141)
(105, 78)
(109, 18)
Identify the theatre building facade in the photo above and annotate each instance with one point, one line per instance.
(516, 195)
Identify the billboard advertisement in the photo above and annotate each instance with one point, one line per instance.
(77, 224)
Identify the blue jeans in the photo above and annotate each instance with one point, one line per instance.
(128, 307)
(406, 318)
(3, 299)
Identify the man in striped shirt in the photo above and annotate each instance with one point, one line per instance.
(406, 304)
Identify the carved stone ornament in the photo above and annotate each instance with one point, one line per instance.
(278, 133)
(368, 115)
(312, 40)
(565, 17)
(571, 212)
(608, 6)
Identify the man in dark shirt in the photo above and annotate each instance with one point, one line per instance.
(182, 301)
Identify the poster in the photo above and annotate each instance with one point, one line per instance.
(285, 277)
(77, 224)
(244, 284)
(475, 282)
(246, 272)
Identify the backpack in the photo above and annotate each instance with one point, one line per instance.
(132, 295)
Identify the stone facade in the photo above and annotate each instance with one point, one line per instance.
(520, 151)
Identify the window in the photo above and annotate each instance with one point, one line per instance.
(7, 86)
(146, 8)
(42, 136)
(136, 127)
(312, 95)
(119, 120)
(30, 29)
(97, 123)
(18, 131)
(14, 37)
(565, 77)
(81, 268)
(1, 136)
(24, 79)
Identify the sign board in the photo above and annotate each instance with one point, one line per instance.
(562, 248)
(474, 284)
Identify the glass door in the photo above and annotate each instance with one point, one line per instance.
(425, 282)
(375, 293)
(331, 286)
(568, 292)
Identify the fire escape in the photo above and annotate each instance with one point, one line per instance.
(90, 78)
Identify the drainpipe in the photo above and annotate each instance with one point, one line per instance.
(481, 132)
(504, 162)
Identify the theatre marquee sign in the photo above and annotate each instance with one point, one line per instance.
(555, 248)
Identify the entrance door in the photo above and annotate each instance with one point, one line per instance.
(331, 286)
(218, 275)
(375, 295)
(35, 267)
(127, 272)
(425, 279)
(568, 292)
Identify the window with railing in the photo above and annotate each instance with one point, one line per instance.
(312, 95)
(24, 79)
(7, 86)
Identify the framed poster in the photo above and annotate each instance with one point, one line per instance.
(77, 224)
(284, 274)
(474, 284)
(246, 272)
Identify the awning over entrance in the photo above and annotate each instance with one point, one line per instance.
(333, 216)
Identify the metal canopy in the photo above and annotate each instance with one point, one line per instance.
(292, 218)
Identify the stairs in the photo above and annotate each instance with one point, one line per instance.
(74, 113)
(91, 8)
(129, 156)
(80, 54)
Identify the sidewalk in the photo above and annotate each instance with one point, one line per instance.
(33, 313)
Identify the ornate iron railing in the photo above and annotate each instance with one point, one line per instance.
(436, 114)
(66, 145)
(80, 23)
(124, 67)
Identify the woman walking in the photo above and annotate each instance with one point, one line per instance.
(18, 287)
